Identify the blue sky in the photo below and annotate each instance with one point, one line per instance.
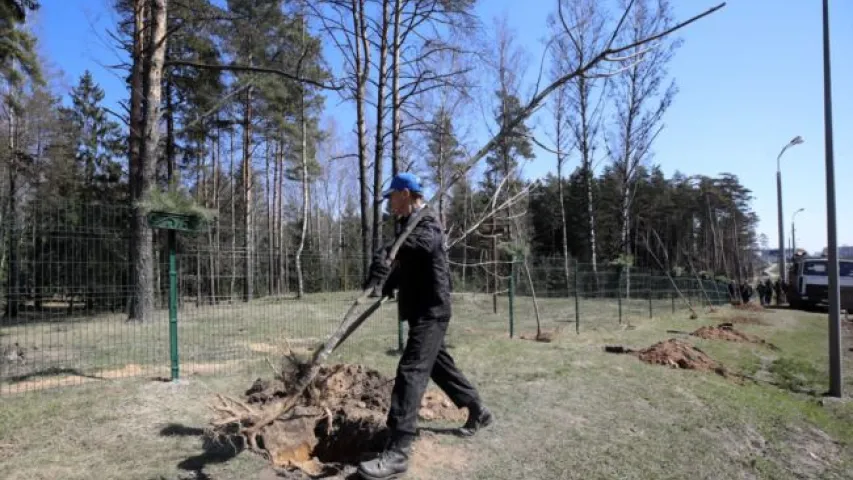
(750, 78)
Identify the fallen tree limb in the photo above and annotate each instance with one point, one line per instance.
(251, 425)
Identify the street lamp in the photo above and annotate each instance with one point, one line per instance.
(794, 231)
(794, 141)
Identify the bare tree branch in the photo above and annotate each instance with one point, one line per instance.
(216, 106)
(533, 139)
(351, 320)
(246, 68)
(492, 212)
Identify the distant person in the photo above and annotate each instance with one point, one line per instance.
(746, 292)
(762, 292)
(768, 291)
(777, 287)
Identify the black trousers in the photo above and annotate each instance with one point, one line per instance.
(425, 357)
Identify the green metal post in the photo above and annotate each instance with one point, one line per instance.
(512, 299)
(619, 293)
(577, 300)
(173, 304)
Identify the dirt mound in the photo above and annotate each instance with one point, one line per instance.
(337, 420)
(725, 331)
(678, 354)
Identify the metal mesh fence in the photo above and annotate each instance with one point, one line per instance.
(67, 285)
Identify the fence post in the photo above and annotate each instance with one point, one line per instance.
(619, 292)
(173, 305)
(651, 308)
(512, 298)
(577, 301)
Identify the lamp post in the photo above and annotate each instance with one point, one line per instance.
(794, 231)
(835, 378)
(795, 141)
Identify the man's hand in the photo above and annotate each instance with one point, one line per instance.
(378, 270)
(388, 290)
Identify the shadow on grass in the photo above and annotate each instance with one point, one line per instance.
(214, 450)
(440, 431)
(52, 371)
(795, 375)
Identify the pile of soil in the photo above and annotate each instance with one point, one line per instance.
(726, 332)
(338, 419)
(678, 354)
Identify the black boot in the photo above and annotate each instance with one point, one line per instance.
(392, 463)
(479, 417)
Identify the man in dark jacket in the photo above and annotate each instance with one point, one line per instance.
(421, 276)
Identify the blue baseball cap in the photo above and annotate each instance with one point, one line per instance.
(404, 181)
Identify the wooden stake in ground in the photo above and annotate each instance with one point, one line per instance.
(252, 421)
(699, 281)
(693, 314)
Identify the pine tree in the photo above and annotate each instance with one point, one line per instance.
(445, 154)
(18, 59)
(97, 143)
(503, 160)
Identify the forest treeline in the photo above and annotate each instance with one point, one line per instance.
(234, 104)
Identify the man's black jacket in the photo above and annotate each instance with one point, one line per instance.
(421, 273)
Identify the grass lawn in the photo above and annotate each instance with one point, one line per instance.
(565, 409)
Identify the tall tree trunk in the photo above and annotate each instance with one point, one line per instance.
(234, 229)
(712, 224)
(268, 187)
(170, 133)
(560, 194)
(303, 127)
(249, 211)
(465, 203)
(625, 217)
(276, 218)
(200, 181)
(362, 68)
(143, 288)
(341, 260)
(134, 148)
(379, 147)
(12, 282)
(213, 238)
(161, 281)
(395, 92)
(738, 262)
(440, 176)
(282, 254)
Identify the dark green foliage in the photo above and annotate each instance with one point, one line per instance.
(503, 160)
(97, 144)
(18, 60)
(686, 212)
